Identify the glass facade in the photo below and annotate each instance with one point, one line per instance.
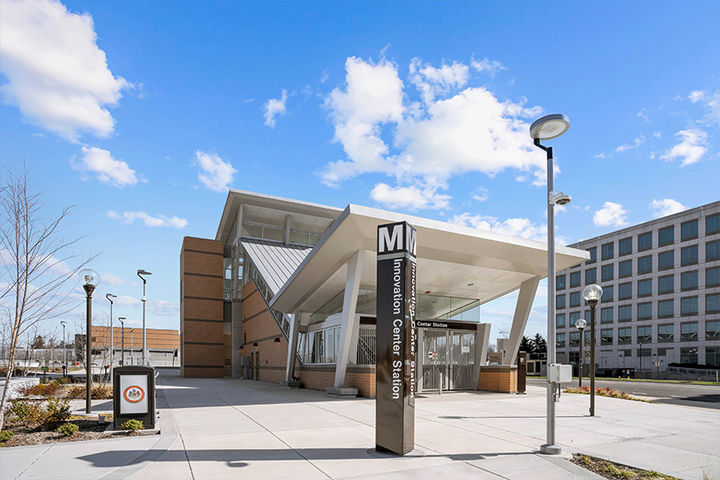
(606, 315)
(666, 260)
(606, 336)
(712, 224)
(644, 311)
(666, 236)
(712, 277)
(645, 241)
(688, 331)
(608, 294)
(560, 282)
(608, 250)
(666, 284)
(575, 299)
(590, 276)
(625, 291)
(689, 255)
(560, 320)
(625, 246)
(712, 330)
(574, 279)
(644, 264)
(644, 334)
(666, 308)
(625, 269)
(666, 333)
(689, 230)
(712, 303)
(689, 306)
(624, 313)
(644, 287)
(624, 335)
(607, 272)
(689, 355)
(712, 251)
(689, 280)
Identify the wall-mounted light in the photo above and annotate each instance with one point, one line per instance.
(255, 344)
(277, 340)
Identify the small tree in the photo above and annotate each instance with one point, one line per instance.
(526, 345)
(539, 344)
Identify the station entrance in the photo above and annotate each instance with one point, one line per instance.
(446, 356)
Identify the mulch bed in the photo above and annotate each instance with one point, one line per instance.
(616, 471)
(89, 430)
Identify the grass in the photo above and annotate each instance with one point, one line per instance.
(606, 392)
(616, 470)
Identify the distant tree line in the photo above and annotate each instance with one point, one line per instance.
(537, 344)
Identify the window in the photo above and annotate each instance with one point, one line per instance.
(560, 282)
(607, 272)
(712, 303)
(606, 315)
(644, 311)
(560, 301)
(665, 352)
(625, 246)
(666, 333)
(644, 334)
(625, 268)
(712, 251)
(625, 291)
(644, 287)
(712, 224)
(574, 338)
(712, 277)
(712, 356)
(644, 265)
(689, 355)
(689, 255)
(666, 308)
(689, 230)
(560, 320)
(689, 280)
(666, 236)
(606, 336)
(574, 317)
(624, 335)
(688, 331)
(593, 254)
(624, 313)
(608, 294)
(666, 284)
(689, 306)
(574, 279)
(319, 346)
(645, 241)
(590, 276)
(575, 299)
(586, 336)
(644, 352)
(560, 340)
(666, 260)
(712, 329)
(608, 250)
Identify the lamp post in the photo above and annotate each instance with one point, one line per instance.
(122, 340)
(90, 277)
(132, 346)
(547, 128)
(62, 322)
(592, 294)
(109, 297)
(580, 325)
(140, 274)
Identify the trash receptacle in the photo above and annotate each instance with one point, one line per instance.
(521, 373)
(134, 395)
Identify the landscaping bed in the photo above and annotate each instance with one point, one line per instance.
(606, 392)
(615, 471)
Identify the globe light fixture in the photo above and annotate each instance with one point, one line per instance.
(592, 294)
(90, 278)
(580, 324)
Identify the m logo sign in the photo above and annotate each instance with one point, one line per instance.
(397, 238)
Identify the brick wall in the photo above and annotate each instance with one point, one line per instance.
(498, 379)
(202, 334)
(156, 338)
(319, 377)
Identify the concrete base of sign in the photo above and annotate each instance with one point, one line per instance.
(342, 391)
(374, 452)
(293, 384)
(550, 449)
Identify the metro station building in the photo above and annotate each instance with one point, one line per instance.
(286, 292)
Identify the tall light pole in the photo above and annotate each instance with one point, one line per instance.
(547, 128)
(132, 346)
(140, 274)
(109, 297)
(122, 341)
(91, 278)
(62, 322)
(592, 294)
(580, 325)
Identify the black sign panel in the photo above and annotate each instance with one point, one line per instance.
(446, 325)
(396, 338)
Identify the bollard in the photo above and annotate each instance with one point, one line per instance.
(441, 384)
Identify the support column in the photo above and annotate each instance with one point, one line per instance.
(482, 340)
(522, 312)
(292, 348)
(349, 320)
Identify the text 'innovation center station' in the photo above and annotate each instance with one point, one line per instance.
(287, 291)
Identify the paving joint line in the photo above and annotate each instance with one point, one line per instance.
(33, 462)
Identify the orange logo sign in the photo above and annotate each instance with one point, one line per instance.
(134, 394)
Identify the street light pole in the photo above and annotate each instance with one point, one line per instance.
(140, 274)
(132, 346)
(109, 297)
(122, 341)
(62, 322)
(91, 279)
(547, 128)
(592, 294)
(580, 324)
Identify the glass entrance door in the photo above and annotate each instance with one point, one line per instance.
(448, 357)
(461, 361)
(434, 359)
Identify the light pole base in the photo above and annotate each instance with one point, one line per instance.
(550, 449)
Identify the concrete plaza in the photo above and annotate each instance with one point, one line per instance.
(221, 428)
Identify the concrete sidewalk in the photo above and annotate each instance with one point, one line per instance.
(217, 428)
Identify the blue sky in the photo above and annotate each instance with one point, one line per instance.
(143, 114)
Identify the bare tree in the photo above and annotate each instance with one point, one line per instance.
(36, 265)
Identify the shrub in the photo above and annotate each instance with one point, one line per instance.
(67, 429)
(5, 435)
(27, 413)
(76, 391)
(132, 425)
(102, 391)
(51, 389)
(58, 411)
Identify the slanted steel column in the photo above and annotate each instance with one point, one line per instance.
(522, 312)
(348, 318)
(292, 347)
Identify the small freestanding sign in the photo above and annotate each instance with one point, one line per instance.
(396, 338)
(134, 395)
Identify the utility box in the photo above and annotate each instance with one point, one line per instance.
(134, 395)
(559, 373)
(521, 373)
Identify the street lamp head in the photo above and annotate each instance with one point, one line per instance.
(62, 322)
(143, 272)
(109, 296)
(592, 293)
(559, 198)
(549, 127)
(580, 323)
(122, 320)
(89, 277)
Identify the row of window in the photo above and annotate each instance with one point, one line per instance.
(643, 334)
(688, 355)
(666, 236)
(665, 261)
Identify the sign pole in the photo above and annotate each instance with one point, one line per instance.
(396, 338)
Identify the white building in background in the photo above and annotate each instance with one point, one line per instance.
(661, 300)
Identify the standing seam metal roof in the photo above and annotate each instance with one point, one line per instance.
(275, 261)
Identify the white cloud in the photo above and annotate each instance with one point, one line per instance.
(490, 66)
(411, 197)
(612, 214)
(516, 227)
(148, 220)
(107, 169)
(711, 102)
(163, 308)
(480, 194)
(696, 95)
(56, 74)
(215, 173)
(639, 140)
(643, 116)
(112, 279)
(690, 150)
(432, 81)
(275, 107)
(666, 206)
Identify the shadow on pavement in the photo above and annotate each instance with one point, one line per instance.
(458, 417)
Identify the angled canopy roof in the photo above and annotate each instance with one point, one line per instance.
(275, 261)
